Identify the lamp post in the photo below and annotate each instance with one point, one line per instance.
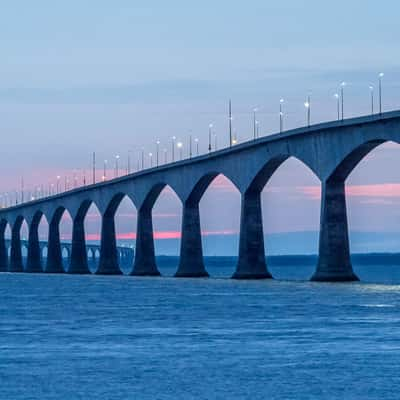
(179, 145)
(230, 123)
(105, 170)
(307, 105)
(281, 101)
(255, 123)
(116, 166)
(129, 161)
(215, 142)
(371, 90)
(165, 156)
(142, 157)
(209, 137)
(190, 146)
(337, 97)
(196, 140)
(157, 150)
(173, 148)
(94, 167)
(381, 75)
(58, 183)
(151, 159)
(342, 85)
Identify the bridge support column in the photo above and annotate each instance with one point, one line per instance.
(78, 262)
(33, 262)
(54, 263)
(145, 260)
(251, 260)
(108, 263)
(334, 263)
(191, 263)
(16, 264)
(3, 248)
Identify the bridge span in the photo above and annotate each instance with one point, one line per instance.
(331, 150)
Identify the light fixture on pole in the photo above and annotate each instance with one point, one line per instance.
(129, 161)
(105, 170)
(342, 85)
(209, 137)
(116, 166)
(151, 159)
(179, 145)
(58, 183)
(196, 140)
(142, 156)
(94, 167)
(158, 150)
(190, 146)
(215, 142)
(230, 122)
(371, 90)
(281, 101)
(254, 123)
(307, 105)
(165, 156)
(173, 148)
(381, 75)
(337, 97)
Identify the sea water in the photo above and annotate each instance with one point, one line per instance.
(96, 337)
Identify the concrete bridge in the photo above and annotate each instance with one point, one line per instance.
(125, 254)
(331, 150)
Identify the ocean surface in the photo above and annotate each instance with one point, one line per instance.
(92, 337)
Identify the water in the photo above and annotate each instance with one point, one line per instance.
(90, 337)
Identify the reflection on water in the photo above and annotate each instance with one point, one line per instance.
(93, 337)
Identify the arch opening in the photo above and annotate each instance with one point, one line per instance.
(219, 206)
(291, 206)
(372, 201)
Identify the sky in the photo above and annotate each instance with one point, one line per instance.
(115, 77)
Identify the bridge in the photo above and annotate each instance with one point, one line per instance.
(125, 254)
(331, 150)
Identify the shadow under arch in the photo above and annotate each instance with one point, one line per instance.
(55, 261)
(34, 257)
(16, 260)
(4, 255)
(145, 260)
(251, 260)
(191, 262)
(290, 215)
(371, 190)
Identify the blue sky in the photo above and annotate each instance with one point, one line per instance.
(109, 77)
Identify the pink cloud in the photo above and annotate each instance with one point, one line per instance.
(386, 190)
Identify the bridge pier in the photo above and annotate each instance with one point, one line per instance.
(33, 262)
(3, 247)
(78, 260)
(251, 260)
(145, 260)
(191, 262)
(16, 264)
(108, 263)
(334, 262)
(54, 263)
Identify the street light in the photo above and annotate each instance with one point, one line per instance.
(151, 159)
(58, 183)
(254, 123)
(190, 146)
(173, 148)
(342, 85)
(179, 145)
(158, 150)
(165, 156)
(337, 97)
(105, 170)
(371, 89)
(142, 157)
(281, 101)
(215, 142)
(307, 105)
(209, 137)
(196, 140)
(116, 166)
(381, 75)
